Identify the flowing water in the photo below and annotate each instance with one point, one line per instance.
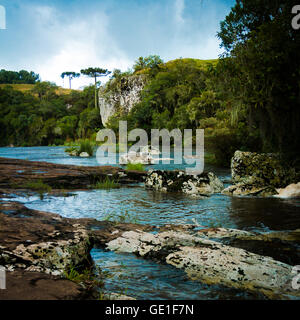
(145, 279)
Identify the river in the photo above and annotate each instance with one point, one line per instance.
(140, 278)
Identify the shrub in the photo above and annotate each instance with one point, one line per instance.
(135, 167)
(86, 146)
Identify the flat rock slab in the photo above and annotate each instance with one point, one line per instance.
(211, 262)
(14, 173)
(21, 285)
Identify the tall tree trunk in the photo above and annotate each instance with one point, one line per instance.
(96, 100)
(70, 81)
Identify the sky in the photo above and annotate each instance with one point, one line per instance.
(51, 36)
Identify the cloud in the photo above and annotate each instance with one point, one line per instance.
(179, 10)
(51, 36)
(79, 44)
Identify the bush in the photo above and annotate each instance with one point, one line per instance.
(86, 146)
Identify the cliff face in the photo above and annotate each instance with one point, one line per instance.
(120, 95)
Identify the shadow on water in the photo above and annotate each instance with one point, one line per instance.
(266, 213)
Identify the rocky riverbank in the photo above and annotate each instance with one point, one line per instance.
(16, 173)
(40, 252)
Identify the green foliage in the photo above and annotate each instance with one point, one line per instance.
(135, 167)
(107, 183)
(23, 76)
(150, 62)
(259, 75)
(86, 146)
(87, 277)
(46, 115)
(38, 185)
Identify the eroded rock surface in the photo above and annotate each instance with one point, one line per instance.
(121, 96)
(210, 261)
(178, 181)
(41, 242)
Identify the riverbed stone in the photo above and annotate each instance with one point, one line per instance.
(205, 183)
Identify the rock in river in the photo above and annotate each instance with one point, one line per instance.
(210, 261)
(179, 181)
(259, 174)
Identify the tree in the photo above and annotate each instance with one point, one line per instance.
(95, 73)
(260, 71)
(71, 75)
(44, 90)
(152, 61)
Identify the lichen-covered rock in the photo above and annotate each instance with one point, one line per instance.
(211, 262)
(258, 174)
(179, 181)
(40, 242)
(120, 96)
(261, 168)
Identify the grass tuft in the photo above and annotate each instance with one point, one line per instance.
(135, 167)
(107, 184)
(86, 146)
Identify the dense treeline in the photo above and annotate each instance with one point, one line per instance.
(21, 77)
(43, 116)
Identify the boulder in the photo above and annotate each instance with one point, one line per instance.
(291, 191)
(205, 183)
(40, 242)
(258, 174)
(84, 155)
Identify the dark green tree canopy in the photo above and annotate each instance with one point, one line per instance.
(21, 77)
(151, 61)
(95, 72)
(70, 74)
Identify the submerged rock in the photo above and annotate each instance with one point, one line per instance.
(179, 181)
(258, 174)
(211, 262)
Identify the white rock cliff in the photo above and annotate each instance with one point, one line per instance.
(124, 95)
